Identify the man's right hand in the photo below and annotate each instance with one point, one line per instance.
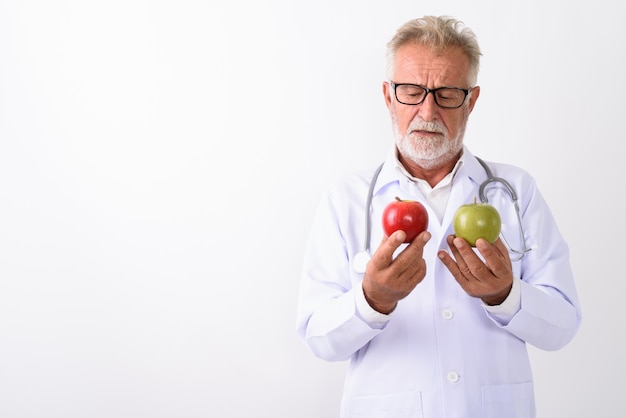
(388, 279)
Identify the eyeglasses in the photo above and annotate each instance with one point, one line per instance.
(414, 94)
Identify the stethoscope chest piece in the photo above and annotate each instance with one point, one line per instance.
(360, 260)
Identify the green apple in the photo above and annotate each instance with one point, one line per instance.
(477, 220)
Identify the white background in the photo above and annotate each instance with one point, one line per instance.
(159, 166)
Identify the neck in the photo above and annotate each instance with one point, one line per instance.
(431, 175)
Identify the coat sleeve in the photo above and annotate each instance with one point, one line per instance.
(550, 314)
(327, 316)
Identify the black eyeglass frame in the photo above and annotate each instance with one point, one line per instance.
(433, 91)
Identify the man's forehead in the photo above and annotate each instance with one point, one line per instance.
(419, 61)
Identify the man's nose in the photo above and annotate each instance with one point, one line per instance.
(428, 109)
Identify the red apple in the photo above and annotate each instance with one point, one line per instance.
(409, 216)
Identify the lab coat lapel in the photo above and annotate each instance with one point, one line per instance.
(464, 187)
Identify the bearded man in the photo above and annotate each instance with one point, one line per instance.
(435, 328)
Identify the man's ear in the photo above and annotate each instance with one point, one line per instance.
(473, 97)
(387, 94)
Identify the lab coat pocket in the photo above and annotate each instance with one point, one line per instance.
(509, 401)
(393, 405)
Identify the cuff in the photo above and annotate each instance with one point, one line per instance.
(511, 305)
(368, 314)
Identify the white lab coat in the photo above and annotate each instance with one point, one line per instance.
(441, 354)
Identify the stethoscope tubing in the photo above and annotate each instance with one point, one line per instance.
(361, 258)
(368, 207)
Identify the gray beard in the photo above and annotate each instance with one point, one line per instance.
(429, 153)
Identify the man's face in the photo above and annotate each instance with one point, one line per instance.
(427, 134)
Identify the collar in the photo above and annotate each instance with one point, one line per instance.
(467, 167)
(423, 184)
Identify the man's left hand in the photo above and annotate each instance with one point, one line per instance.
(490, 280)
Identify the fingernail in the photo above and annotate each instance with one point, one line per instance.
(399, 235)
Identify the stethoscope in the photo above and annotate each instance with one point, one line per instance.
(360, 259)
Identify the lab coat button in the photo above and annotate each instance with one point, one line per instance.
(453, 377)
(447, 314)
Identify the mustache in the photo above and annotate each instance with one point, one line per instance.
(432, 126)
